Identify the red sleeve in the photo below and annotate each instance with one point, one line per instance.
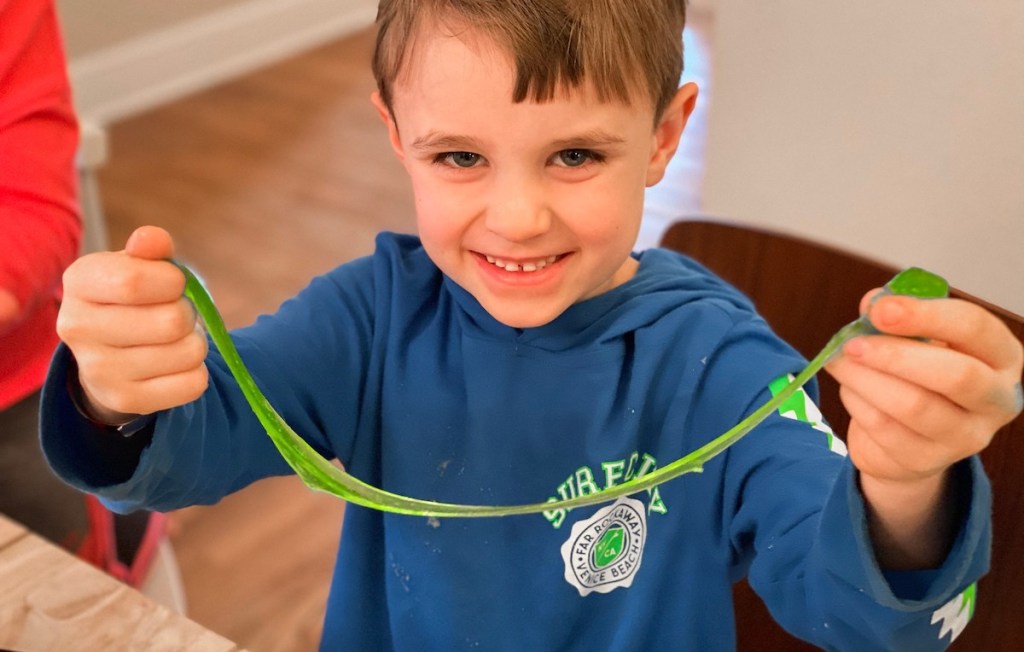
(40, 227)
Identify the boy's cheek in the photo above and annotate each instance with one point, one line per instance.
(443, 216)
(428, 197)
(450, 208)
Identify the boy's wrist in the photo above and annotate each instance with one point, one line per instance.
(124, 424)
(912, 524)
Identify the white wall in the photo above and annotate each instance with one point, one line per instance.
(700, 5)
(94, 25)
(127, 56)
(895, 129)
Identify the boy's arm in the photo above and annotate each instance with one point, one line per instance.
(310, 359)
(801, 524)
(192, 454)
(917, 407)
(796, 520)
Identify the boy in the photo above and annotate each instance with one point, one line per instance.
(517, 350)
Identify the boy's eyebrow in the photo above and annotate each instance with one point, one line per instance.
(434, 141)
(592, 138)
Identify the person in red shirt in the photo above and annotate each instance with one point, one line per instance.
(40, 231)
(40, 235)
(40, 228)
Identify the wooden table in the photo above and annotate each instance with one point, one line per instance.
(50, 600)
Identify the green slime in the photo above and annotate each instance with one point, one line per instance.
(321, 475)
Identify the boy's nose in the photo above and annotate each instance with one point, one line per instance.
(518, 211)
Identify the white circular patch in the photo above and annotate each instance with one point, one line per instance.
(604, 552)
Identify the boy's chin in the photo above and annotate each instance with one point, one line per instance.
(523, 316)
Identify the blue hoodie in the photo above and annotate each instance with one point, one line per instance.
(394, 369)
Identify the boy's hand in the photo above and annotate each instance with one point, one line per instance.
(918, 407)
(132, 332)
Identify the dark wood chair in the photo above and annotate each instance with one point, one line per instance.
(807, 291)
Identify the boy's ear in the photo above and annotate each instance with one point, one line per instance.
(668, 131)
(389, 121)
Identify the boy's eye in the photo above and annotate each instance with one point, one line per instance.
(460, 159)
(574, 158)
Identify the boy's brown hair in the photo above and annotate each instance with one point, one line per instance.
(623, 48)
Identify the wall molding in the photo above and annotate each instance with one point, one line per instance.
(142, 73)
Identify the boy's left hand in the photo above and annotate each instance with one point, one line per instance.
(918, 407)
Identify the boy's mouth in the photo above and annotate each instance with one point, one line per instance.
(526, 265)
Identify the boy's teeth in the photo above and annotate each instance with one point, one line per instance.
(531, 266)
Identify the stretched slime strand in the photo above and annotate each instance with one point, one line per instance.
(320, 475)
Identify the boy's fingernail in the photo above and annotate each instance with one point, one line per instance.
(855, 347)
(888, 313)
(884, 292)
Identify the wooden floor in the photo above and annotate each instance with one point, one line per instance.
(264, 183)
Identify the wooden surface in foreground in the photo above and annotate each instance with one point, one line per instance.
(51, 600)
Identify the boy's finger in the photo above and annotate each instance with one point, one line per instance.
(962, 325)
(908, 388)
(870, 298)
(884, 447)
(142, 363)
(150, 242)
(150, 395)
(133, 325)
(961, 379)
(116, 278)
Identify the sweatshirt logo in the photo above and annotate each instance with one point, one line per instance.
(800, 407)
(953, 616)
(604, 551)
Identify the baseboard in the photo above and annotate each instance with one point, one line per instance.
(134, 76)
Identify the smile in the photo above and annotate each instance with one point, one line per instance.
(521, 265)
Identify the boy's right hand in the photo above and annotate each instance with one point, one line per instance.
(133, 333)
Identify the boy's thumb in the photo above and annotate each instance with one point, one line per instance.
(151, 243)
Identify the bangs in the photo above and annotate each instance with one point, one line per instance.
(623, 49)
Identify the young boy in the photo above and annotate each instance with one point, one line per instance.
(517, 350)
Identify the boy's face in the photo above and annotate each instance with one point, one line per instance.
(529, 207)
